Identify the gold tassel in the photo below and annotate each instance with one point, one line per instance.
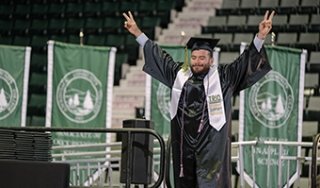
(185, 65)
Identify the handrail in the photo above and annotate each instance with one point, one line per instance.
(315, 146)
(128, 131)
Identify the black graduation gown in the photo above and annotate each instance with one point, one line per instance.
(206, 155)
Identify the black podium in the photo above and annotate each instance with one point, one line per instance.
(142, 153)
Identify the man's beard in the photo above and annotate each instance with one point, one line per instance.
(204, 70)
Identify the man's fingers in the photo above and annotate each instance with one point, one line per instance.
(266, 15)
(130, 15)
(271, 15)
(126, 16)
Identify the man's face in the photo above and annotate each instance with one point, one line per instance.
(200, 61)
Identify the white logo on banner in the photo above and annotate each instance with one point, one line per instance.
(9, 95)
(79, 96)
(163, 100)
(271, 109)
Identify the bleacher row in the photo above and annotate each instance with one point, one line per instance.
(296, 24)
(34, 22)
(240, 7)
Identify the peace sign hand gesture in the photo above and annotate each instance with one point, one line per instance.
(265, 25)
(130, 24)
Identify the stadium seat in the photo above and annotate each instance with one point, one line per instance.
(73, 38)
(93, 25)
(112, 25)
(92, 9)
(225, 41)
(110, 8)
(60, 38)
(97, 40)
(125, 6)
(311, 80)
(39, 10)
(215, 24)
(280, 23)
(147, 8)
(5, 26)
(314, 57)
(39, 26)
(314, 103)
(21, 40)
(309, 6)
(229, 7)
(57, 26)
(74, 9)
(308, 41)
(148, 24)
(6, 11)
(269, 5)
(21, 26)
(314, 23)
(116, 40)
(22, 10)
(249, 6)
(242, 37)
(288, 6)
(74, 25)
(164, 8)
(56, 10)
(236, 23)
(298, 22)
(309, 130)
(287, 39)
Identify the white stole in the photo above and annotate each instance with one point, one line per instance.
(214, 96)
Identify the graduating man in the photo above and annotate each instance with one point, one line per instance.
(201, 96)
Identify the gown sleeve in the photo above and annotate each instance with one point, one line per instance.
(159, 64)
(247, 69)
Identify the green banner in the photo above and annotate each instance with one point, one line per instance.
(14, 76)
(271, 110)
(80, 80)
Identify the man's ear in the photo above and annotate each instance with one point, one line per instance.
(211, 61)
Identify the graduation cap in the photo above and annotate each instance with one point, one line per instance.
(196, 43)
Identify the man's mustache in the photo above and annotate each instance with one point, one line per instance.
(197, 65)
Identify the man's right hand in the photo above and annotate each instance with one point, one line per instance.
(130, 24)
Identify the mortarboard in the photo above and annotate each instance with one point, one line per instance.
(196, 43)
